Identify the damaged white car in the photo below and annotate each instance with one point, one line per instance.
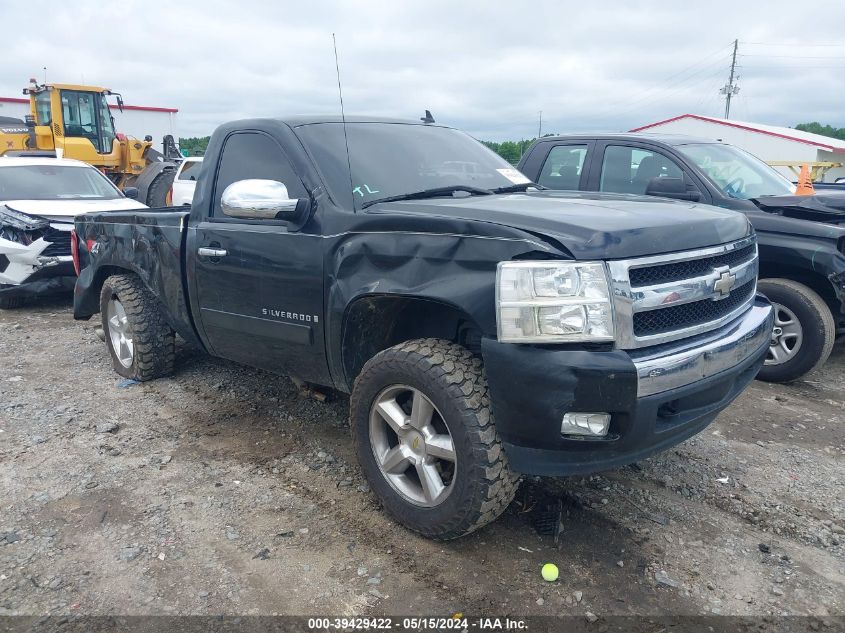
(39, 198)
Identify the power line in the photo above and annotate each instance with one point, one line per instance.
(792, 44)
(795, 56)
(711, 93)
(665, 91)
(798, 66)
(663, 84)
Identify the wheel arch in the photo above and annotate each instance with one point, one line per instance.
(152, 172)
(87, 302)
(89, 286)
(373, 323)
(816, 282)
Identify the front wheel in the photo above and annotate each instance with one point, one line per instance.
(803, 334)
(426, 440)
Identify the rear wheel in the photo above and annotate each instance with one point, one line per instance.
(425, 437)
(803, 334)
(139, 339)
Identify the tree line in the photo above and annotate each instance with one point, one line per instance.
(825, 130)
(194, 145)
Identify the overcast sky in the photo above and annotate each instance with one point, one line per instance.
(487, 67)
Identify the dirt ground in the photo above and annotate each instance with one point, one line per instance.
(222, 491)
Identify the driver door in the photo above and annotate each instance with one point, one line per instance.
(258, 283)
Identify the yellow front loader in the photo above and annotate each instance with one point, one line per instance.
(75, 121)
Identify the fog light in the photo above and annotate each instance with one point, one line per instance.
(594, 424)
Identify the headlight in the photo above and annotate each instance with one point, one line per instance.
(553, 302)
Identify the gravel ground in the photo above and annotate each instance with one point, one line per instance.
(222, 490)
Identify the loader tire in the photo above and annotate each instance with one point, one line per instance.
(425, 436)
(159, 191)
(140, 341)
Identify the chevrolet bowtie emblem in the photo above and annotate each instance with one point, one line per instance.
(724, 283)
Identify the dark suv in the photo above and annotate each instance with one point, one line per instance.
(801, 238)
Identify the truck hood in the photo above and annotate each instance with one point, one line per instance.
(821, 207)
(593, 225)
(67, 209)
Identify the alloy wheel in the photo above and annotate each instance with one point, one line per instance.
(412, 445)
(119, 332)
(787, 336)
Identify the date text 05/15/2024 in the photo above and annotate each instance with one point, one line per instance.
(456, 622)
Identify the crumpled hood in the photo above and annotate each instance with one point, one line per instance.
(821, 207)
(594, 225)
(68, 209)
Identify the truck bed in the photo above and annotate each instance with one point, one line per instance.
(150, 242)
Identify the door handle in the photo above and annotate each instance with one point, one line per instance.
(204, 251)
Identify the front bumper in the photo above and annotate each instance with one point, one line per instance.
(657, 397)
(39, 267)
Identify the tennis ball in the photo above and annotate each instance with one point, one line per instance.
(550, 572)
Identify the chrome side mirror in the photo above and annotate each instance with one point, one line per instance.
(256, 199)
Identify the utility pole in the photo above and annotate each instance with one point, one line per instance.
(540, 129)
(730, 89)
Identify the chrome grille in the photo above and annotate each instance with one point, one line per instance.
(649, 275)
(670, 297)
(690, 314)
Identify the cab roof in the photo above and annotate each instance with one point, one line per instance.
(667, 139)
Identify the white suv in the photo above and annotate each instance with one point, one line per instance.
(39, 198)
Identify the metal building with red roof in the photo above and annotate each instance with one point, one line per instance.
(771, 143)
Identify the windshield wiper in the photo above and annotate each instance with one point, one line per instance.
(430, 193)
(523, 186)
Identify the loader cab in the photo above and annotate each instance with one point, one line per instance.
(86, 114)
(73, 115)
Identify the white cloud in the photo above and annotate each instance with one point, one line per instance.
(487, 67)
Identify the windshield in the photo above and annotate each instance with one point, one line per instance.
(736, 172)
(394, 159)
(54, 182)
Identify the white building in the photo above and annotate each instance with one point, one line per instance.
(135, 121)
(767, 142)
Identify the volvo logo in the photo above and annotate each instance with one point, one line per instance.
(724, 283)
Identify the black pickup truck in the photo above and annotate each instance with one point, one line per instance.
(801, 238)
(483, 329)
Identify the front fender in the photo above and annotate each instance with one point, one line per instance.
(458, 271)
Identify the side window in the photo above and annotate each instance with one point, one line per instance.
(254, 155)
(630, 169)
(191, 169)
(562, 169)
(42, 108)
